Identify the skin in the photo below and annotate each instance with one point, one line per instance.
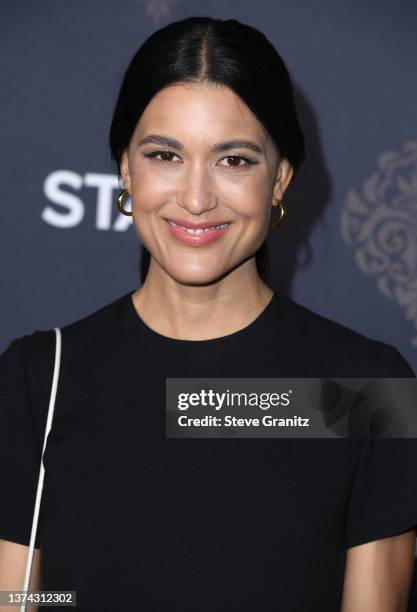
(204, 283)
(378, 574)
(13, 558)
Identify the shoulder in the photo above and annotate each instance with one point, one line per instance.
(93, 330)
(27, 363)
(335, 345)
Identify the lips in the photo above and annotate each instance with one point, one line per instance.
(190, 225)
(196, 236)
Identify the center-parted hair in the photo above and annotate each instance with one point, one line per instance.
(227, 52)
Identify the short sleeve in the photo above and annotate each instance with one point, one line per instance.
(20, 455)
(383, 498)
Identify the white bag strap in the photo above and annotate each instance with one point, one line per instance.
(57, 365)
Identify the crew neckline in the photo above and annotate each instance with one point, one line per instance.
(262, 319)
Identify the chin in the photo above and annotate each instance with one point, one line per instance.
(196, 277)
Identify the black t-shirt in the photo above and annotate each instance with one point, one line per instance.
(131, 519)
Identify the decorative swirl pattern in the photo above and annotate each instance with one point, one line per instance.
(381, 225)
(156, 9)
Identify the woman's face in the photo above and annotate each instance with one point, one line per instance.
(182, 164)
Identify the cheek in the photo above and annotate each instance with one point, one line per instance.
(151, 186)
(250, 200)
(149, 193)
(247, 194)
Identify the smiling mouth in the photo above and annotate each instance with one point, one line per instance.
(198, 231)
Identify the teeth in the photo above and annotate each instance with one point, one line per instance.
(200, 231)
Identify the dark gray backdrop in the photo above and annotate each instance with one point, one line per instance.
(348, 247)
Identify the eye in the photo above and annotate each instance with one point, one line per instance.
(248, 162)
(155, 154)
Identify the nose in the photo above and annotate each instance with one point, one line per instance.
(196, 193)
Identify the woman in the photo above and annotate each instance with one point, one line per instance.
(205, 135)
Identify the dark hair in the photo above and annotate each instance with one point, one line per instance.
(225, 52)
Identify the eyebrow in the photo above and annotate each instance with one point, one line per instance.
(217, 147)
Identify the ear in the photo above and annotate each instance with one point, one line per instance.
(284, 175)
(124, 169)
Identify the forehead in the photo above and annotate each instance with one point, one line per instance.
(206, 109)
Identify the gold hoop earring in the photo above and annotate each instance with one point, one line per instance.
(120, 203)
(281, 215)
